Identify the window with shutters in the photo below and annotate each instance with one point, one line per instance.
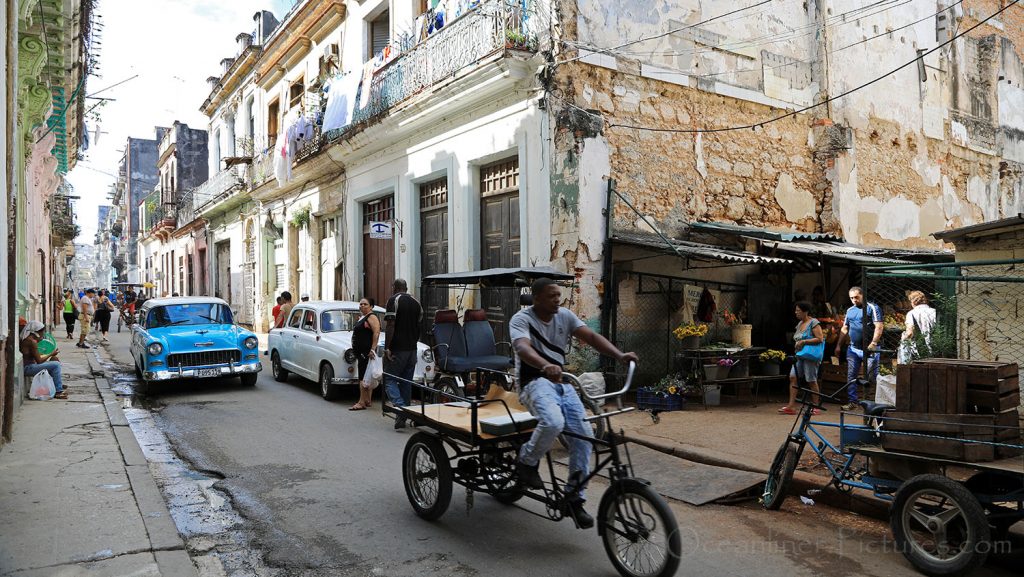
(295, 93)
(273, 111)
(380, 34)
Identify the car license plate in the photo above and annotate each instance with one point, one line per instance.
(208, 373)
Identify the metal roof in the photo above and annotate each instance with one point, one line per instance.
(694, 249)
(845, 251)
(780, 234)
(498, 276)
(956, 233)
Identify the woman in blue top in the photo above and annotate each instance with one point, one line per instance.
(808, 332)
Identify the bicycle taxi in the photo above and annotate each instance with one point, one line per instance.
(946, 514)
(472, 439)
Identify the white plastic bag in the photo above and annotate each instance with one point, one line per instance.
(42, 387)
(885, 389)
(593, 384)
(374, 373)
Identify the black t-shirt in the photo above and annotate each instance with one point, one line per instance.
(407, 321)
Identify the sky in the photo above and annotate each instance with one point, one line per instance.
(170, 47)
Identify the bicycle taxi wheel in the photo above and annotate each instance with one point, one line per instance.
(427, 476)
(639, 531)
(780, 475)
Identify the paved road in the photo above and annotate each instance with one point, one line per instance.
(316, 490)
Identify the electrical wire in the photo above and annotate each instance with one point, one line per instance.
(662, 34)
(812, 106)
(829, 53)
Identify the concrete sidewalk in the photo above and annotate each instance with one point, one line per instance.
(79, 498)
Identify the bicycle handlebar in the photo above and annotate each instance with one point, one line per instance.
(576, 382)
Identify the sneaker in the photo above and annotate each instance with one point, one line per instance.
(579, 514)
(81, 346)
(529, 476)
(850, 406)
(399, 423)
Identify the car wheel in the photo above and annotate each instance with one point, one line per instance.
(328, 390)
(249, 380)
(280, 374)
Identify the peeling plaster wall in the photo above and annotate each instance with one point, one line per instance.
(927, 148)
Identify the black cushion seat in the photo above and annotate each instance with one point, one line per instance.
(875, 409)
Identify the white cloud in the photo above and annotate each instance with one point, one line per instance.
(173, 46)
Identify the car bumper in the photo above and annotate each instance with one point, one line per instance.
(355, 381)
(195, 373)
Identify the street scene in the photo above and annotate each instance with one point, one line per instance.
(502, 287)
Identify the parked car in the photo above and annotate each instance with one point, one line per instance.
(316, 343)
(192, 337)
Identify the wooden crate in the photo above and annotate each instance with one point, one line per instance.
(945, 435)
(1010, 435)
(925, 388)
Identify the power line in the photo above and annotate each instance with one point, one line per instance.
(829, 53)
(663, 34)
(812, 106)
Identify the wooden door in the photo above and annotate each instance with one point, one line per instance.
(433, 246)
(378, 254)
(500, 237)
(223, 257)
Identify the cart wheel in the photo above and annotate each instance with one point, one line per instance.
(427, 475)
(639, 531)
(328, 390)
(280, 373)
(939, 526)
(448, 386)
(779, 476)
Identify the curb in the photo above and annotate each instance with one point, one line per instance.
(857, 501)
(168, 547)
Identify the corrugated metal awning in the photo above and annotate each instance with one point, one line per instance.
(780, 234)
(844, 251)
(694, 249)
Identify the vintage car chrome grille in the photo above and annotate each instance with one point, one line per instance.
(203, 358)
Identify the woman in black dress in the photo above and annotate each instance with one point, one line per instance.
(103, 307)
(365, 336)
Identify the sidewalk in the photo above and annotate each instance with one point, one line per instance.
(79, 497)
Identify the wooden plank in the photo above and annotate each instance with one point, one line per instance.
(989, 402)
(903, 387)
(938, 388)
(937, 446)
(1007, 385)
(919, 390)
(967, 424)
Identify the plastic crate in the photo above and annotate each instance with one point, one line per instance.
(645, 399)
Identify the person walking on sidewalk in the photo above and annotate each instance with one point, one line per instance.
(104, 307)
(401, 333)
(540, 336)
(285, 310)
(365, 336)
(86, 310)
(860, 317)
(36, 363)
(275, 311)
(69, 312)
(807, 333)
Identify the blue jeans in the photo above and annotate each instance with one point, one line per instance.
(402, 365)
(52, 367)
(854, 359)
(556, 407)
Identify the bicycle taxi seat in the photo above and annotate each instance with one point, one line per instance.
(875, 409)
(461, 349)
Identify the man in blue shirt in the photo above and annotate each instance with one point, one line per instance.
(853, 331)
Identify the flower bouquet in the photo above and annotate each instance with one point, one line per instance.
(690, 333)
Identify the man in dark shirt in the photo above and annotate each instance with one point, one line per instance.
(401, 335)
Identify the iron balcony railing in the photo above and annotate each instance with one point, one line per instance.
(186, 209)
(219, 185)
(492, 26)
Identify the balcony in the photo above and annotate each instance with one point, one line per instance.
(214, 189)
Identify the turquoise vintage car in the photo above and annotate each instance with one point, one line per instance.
(192, 337)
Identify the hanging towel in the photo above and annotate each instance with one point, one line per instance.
(341, 101)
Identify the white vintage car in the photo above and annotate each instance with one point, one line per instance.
(316, 343)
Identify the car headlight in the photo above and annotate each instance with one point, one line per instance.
(251, 342)
(350, 356)
(155, 349)
(428, 355)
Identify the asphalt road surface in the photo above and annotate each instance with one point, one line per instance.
(273, 480)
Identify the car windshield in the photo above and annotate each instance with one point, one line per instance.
(338, 320)
(188, 314)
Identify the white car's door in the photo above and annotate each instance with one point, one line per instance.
(289, 336)
(306, 346)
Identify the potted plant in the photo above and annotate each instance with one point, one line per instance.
(665, 395)
(771, 360)
(690, 334)
(725, 364)
(740, 330)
